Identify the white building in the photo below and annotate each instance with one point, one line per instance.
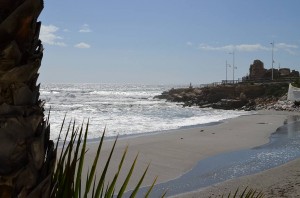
(293, 93)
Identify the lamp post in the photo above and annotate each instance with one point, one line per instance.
(227, 65)
(226, 72)
(272, 58)
(233, 68)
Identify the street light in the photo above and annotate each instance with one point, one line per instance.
(226, 71)
(227, 65)
(272, 58)
(233, 68)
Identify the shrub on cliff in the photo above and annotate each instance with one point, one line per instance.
(276, 90)
(296, 83)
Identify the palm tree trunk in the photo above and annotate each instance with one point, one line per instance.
(27, 156)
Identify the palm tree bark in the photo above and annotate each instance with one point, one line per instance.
(27, 156)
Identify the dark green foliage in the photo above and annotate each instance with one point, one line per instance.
(276, 90)
(66, 180)
(296, 83)
(247, 193)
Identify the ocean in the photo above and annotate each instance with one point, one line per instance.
(123, 109)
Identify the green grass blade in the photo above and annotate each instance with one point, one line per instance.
(151, 187)
(94, 186)
(102, 178)
(48, 118)
(249, 193)
(123, 188)
(102, 191)
(254, 192)
(260, 195)
(139, 184)
(163, 195)
(112, 186)
(244, 191)
(68, 172)
(91, 175)
(70, 168)
(64, 167)
(236, 192)
(64, 153)
(229, 195)
(106, 189)
(70, 148)
(60, 131)
(81, 159)
(61, 161)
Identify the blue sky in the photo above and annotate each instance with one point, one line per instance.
(165, 41)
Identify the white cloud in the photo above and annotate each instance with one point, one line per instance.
(49, 35)
(250, 47)
(85, 28)
(241, 47)
(286, 47)
(212, 48)
(82, 45)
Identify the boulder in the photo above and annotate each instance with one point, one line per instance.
(228, 104)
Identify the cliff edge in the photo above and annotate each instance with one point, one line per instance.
(237, 96)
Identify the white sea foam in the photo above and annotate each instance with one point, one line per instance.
(122, 109)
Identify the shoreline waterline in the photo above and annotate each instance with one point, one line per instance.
(172, 154)
(147, 134)
(282, 148)
(136, 135)
(128, 136)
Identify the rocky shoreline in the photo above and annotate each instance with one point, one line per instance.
(270, 96)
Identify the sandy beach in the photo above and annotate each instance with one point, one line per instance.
(172, 153)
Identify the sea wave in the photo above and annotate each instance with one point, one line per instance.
(122, 109)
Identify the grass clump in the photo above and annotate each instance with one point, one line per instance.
(246, 193)
(66, 180)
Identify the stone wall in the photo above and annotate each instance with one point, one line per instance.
(257, 70)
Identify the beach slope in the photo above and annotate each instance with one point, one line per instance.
(172, 153)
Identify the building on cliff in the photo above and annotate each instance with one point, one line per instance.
(257, 72)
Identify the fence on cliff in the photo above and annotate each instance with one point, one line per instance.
(223, 82)
(247, 81)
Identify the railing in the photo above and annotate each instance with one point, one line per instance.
(240, 80)
(224, 82)
(276, 80)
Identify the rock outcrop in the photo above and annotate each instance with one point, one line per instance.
(240, 96)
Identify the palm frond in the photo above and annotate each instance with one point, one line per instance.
(67, 178)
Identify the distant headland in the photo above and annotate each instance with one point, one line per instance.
(261, 89)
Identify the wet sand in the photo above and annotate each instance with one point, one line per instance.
(173, 153)
(282, 181)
